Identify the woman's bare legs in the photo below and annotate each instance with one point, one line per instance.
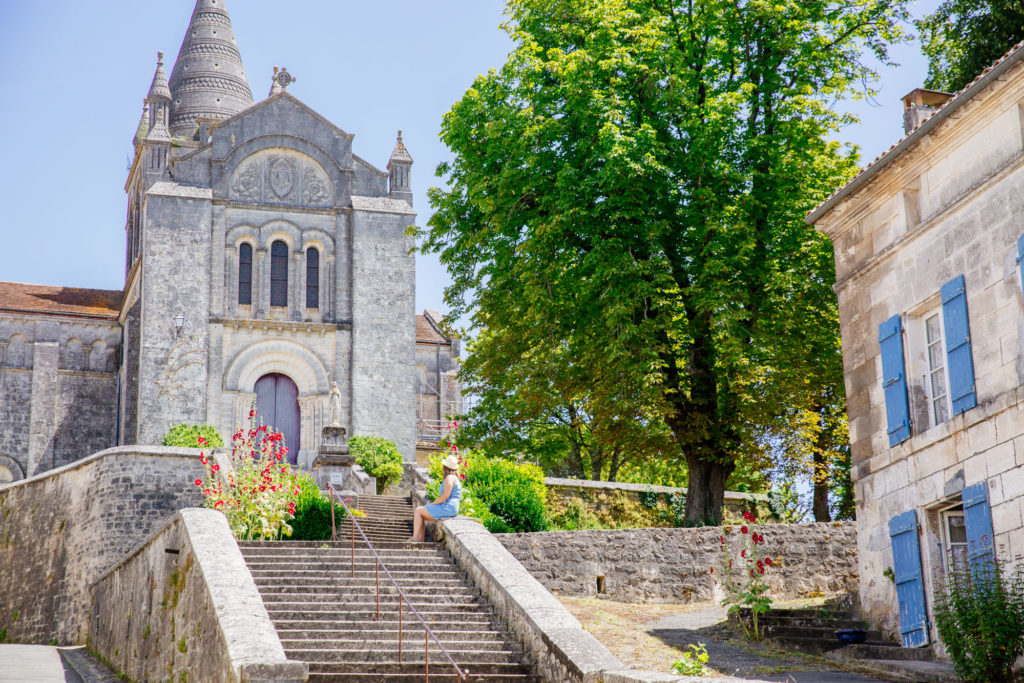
(419, 519)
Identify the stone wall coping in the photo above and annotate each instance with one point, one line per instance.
(559, 482)
(156, 451)
(253, 646)
(498, 572)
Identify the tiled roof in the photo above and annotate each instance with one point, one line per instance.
(962, 97)
(425, 332)
(25, 298)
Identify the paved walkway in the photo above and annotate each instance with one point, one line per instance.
(44, 664)
(726, 654)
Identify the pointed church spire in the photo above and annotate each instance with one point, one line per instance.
(208, 79)
(400, 167)
(159, 88)
(399, 153)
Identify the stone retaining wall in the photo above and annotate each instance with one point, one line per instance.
(184, 605)
(672, 565)
(61, 530)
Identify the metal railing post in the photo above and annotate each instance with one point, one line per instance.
(334, 529)
(461, 675)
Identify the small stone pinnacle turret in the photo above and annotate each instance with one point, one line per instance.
(400, 166)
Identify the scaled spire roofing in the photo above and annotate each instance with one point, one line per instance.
(208, 79)
(399, 153)
(159, 88)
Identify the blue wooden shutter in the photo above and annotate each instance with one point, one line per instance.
(979, 524)
(1020, 258)
(906, 560)
(960, 368)
(894, 381)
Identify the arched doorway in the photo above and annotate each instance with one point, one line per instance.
(277, 404)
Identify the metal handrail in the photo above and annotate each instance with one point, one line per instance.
(462, 676)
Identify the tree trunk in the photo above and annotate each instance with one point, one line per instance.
(705, 492)
(820, 481)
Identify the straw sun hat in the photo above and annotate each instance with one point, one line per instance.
(451, 462)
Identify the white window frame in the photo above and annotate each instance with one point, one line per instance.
(954, 509)
(919, 369)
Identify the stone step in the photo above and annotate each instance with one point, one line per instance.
(297, 575)
(409, 640)
(263, 582)
(827, 632)
(388, 622)
(417, 677)
(356, 598)
(375, 655)
(413, 592)
(367, 602)
(888, 651)
(342, 544)
(412, 632)
(811, 645)
(360, 564)
(432, 614)
(414, 665)
(346, 552)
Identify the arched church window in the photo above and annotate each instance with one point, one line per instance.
(245, 274)
(312, 278)
(279, 274)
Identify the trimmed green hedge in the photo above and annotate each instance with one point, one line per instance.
(187, 436)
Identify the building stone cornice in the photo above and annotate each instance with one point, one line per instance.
(283, 326)
(279, 208)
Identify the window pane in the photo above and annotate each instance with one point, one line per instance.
(245, 274)
(279, 274)
(938, 383)
(941, 410)
(957, 529)
(932, 328)
(935, 359)
(312, 278)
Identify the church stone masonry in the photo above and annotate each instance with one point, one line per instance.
(264, 262)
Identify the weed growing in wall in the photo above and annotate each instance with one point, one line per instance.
(743, 579)
(258, 492)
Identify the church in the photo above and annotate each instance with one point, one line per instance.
(265, 262)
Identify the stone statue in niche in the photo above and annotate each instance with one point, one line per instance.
(334, 412)
(281, 177)
(247, 184)
(314, 188)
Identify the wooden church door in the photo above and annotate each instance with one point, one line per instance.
(277, 404)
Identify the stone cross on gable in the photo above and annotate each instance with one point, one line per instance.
(281, 80)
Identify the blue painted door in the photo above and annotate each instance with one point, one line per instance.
(978, 521)
(277, 405)
(906, 559)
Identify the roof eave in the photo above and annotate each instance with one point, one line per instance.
(925, 128)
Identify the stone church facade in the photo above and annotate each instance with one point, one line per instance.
(265, 262)
(929, 252)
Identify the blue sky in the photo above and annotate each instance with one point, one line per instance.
(75, 75)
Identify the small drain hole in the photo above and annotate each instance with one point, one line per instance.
(600, 585)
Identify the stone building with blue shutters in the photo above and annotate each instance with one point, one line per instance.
(265, 263)
(928, 242)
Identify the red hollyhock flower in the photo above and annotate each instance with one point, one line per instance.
(712, 570)
(744, 529)
(199, 482)
(760, 570)
(202, 441)
(743, 553)
(768, 561)
(747, 515)
(215, 468)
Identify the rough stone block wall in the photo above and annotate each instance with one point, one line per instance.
(183, 606)
(383, 344)
(86, 410)
(176, 265)
(61, 530)
(673, 565)
(15, 403)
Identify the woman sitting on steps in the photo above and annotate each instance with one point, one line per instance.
(446, 505)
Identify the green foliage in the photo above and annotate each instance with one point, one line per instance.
(187, 436)
(623, 218)
(979, 613)
(513, 492)
(784, 504)
(312, 520)
(961, 38)
(649, 498)
(574, 516)
(693, 661)
(379, 457)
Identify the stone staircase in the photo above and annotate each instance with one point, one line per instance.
(326, 616)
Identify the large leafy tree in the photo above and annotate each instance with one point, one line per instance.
(963, 37)
(630, 187)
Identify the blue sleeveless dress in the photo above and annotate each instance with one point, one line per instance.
(450, 507)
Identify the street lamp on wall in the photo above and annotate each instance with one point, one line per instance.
(179, 321)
